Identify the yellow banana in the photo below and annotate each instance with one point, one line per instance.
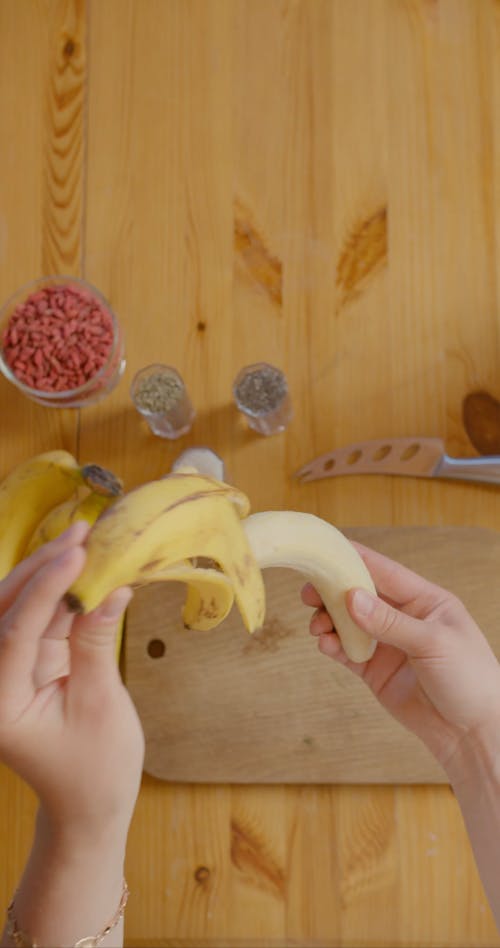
(188, 480)
(60, 518)
(31, 490)
(158, 525)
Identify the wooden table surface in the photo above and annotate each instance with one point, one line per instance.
(315, 183)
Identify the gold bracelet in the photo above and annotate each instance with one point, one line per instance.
(22, 940)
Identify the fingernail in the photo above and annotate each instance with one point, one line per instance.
(76, 532)
(79, 530)
(363, 602)
(117, 603)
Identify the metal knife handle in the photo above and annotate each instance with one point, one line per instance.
(485, 470)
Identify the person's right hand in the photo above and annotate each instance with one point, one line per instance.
(433, 669)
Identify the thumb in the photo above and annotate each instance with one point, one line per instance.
(387, 624)
(93, 638)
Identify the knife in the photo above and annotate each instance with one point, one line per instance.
(412, 457)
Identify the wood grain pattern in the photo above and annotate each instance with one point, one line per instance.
(63, 153)
(363, 255)
(32, 36)
(313, 116)
(254, 261)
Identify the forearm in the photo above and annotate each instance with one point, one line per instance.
(71, 887)
(474, 775)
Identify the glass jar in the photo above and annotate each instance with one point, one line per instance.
(84, 296)
(160, 396)
(261, 394)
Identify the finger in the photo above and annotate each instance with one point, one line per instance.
(52, 662)
(389, 625)
(310, 596)
(93, 639)
(24, 624)
(60, 626)
(321, 623)
(11, 586)
(393, 580)
(331, 646)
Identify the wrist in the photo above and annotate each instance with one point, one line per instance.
(82, 839)
(72, 883)
(477, 756)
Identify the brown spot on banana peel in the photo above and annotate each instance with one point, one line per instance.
(207, 610)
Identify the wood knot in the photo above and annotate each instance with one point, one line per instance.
(363, 255)
(201, 326)
(254, 860)
(69, 48)
(254, 261)
(202, 875)
(481, 418)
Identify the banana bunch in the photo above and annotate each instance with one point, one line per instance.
(42, 497)
(189, 527)
(58, 519)
(33, 490)
(160, 530)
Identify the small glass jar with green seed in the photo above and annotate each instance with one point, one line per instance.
(159, 395)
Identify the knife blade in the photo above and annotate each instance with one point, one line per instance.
(409, 457)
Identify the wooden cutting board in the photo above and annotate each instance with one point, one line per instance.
(226, 707)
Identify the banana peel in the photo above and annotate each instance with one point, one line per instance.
(209, 596)
(164, 523)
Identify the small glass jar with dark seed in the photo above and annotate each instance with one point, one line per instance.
(261, 394)
(160, 396)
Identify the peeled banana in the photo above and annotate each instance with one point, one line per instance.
(322, 553)
(161, 524)
(31, 490)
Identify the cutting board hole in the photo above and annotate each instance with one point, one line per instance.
(382, 452)
(410, 452)
(328, 465)
(156, 648)
(354, 457)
